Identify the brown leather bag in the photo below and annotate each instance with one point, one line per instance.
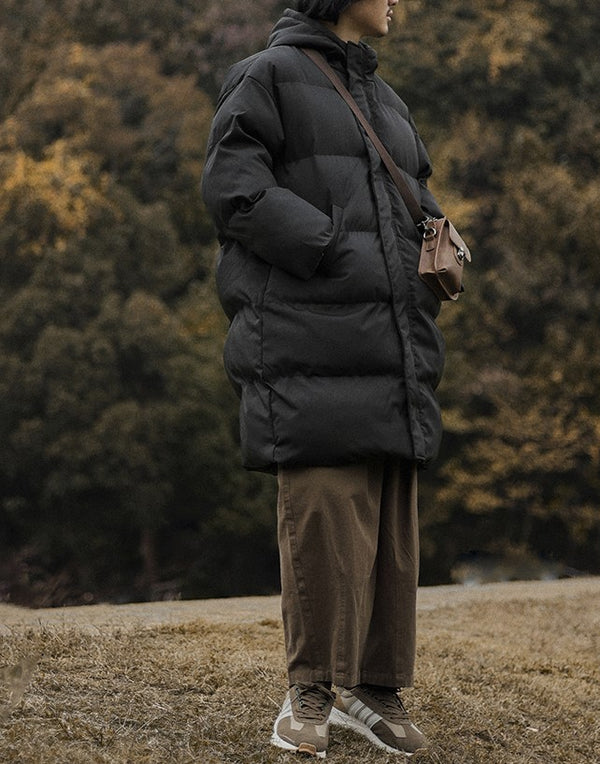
(443, 251)
(443, 255)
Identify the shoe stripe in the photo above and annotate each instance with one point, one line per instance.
(369, 718)
(363, 713)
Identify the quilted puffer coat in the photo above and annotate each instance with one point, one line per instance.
(333, 346)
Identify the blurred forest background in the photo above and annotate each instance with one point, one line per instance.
(119, 472)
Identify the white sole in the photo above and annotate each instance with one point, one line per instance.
(340, 719)
(280, 743)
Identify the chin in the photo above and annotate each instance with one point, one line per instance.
(377, 32)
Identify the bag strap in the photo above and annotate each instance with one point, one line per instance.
(412, 204)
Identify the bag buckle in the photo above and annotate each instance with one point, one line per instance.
(428, 229)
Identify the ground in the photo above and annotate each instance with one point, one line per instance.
(506, 674)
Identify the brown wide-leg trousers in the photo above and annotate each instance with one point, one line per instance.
(349, 551)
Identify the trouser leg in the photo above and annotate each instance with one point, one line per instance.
(391, 641)
(344, 556)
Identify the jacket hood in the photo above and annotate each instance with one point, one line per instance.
(301, 31)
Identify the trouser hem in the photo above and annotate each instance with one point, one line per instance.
(346, 680)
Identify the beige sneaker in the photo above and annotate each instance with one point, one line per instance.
(378, 714)
(303, 722)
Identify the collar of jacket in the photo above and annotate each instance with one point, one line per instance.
(298, 30)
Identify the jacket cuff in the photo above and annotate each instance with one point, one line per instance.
(330, 253)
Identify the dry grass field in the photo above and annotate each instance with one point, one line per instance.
(507, 674)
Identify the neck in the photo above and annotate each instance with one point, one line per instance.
(346, 32)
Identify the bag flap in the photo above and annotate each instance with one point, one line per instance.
(458, 241)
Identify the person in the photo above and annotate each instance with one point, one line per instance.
(335, 354)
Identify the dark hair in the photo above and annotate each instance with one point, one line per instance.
(327, 10)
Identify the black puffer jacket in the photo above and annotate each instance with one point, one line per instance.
(333, 346)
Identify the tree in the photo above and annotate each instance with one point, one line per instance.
(517, 159)
(119, 472)
(116, 432)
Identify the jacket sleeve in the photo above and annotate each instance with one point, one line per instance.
(241, 191)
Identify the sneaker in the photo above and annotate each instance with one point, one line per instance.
(378, 714)
(303, 722)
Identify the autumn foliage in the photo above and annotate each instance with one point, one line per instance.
(119, 473)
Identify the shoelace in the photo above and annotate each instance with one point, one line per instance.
(313, 702)
(390, 700)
